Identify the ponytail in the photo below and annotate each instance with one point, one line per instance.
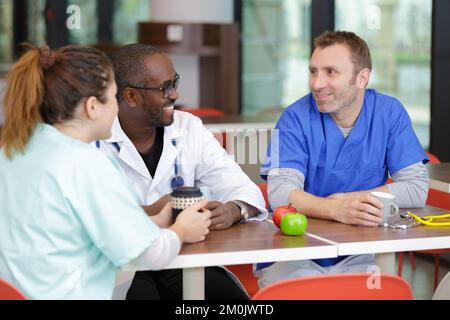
(47, 86)
(23, 97)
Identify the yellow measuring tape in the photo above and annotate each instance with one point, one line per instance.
(431, 220)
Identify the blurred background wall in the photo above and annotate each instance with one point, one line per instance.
(408, 40)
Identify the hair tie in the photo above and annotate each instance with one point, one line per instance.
(48, 57)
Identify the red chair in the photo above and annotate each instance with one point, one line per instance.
(245, 274)
(204, 112)
(9, 292)
(350, 286)
(438, 199)
(433, 158)
(245, 271)
(263, 187)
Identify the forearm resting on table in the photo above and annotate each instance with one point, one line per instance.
(161, 252)
(410, 186)
(311, 205)
(286, 187)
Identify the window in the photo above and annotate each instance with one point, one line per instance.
(87, 34)
(276, 51)
(127, 14)
(36, 22)
(398, 33)
(6, 34)
(37, 31)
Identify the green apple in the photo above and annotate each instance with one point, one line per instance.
(294, 224)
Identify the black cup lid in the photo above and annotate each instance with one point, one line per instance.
(187, 192)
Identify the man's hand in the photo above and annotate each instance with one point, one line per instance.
(224, 215)
(358, 209)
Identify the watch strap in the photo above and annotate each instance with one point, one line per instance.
(243, 209)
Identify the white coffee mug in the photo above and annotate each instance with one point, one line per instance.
(390, 208)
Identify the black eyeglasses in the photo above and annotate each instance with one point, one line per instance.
(166, 89)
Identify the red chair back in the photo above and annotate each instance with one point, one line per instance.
(263, 187)
(9, 292)
(352, 286)
(437, 198)
(433, 158)
(204, 112)
(245, 274)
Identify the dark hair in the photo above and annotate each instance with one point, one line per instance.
(48, 86)
(360, 53)
(129, 65)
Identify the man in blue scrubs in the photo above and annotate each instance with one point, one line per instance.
(336, 145)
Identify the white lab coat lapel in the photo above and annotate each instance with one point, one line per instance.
(128, 152)
(166, 165)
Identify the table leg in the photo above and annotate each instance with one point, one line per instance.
(386, 262)
(194, 283)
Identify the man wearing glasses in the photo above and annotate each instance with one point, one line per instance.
(160, 149)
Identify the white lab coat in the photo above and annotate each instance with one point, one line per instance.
(202, 163)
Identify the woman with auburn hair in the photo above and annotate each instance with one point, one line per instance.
(68, 218)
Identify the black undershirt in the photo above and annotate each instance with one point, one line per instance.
(152, 156)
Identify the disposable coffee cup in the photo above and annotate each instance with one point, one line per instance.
(183, 198)
(390, 208)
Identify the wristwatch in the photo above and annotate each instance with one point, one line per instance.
(243, 208)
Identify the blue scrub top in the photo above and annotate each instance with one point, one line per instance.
(381, 141)
(68, 219)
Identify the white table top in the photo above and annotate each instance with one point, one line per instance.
(352, 240)
(255, 242)
(252, 242)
